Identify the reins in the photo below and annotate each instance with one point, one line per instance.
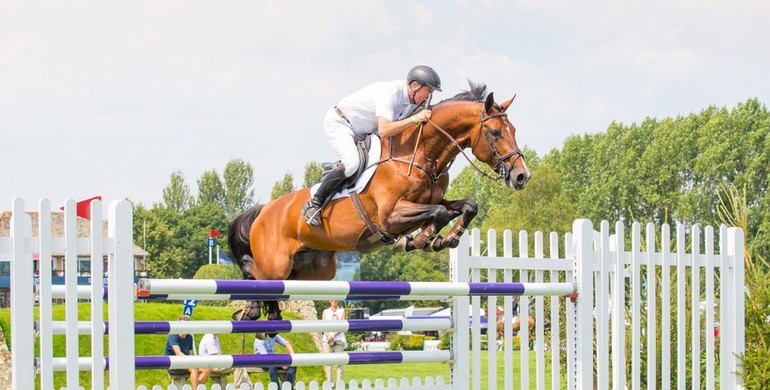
(500, 166)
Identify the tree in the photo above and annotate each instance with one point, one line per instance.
(283, 187)
(154, 229)
(541, 206)
(470, 184)
(239, 194)
(176, 195)
(383, 264)
(312, 174)
(210, 189)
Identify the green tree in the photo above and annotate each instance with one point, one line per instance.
(283, 187)
(154, 229)
(470, 184)
(312, 174)
(383, 264)
(211, 189)
(239, 194)
(541, 206)
(176, 194)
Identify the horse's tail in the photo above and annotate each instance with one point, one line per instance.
(238, 239)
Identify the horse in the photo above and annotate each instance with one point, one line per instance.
(515, 322)
(272, 241)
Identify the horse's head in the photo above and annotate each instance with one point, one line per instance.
(494, 143)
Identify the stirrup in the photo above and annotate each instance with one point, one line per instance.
(312, 213)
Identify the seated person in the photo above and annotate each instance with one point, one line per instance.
(265, 344)
(181, 345)
(209, 346)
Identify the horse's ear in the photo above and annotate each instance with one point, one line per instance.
(507, 103)
(490, 102)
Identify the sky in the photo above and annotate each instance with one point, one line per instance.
(109, 98)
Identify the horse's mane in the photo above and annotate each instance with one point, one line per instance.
(477, 93)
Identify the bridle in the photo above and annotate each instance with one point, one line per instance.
(501, 167)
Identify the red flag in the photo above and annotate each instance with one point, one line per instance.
(84, 207)
(213, 233)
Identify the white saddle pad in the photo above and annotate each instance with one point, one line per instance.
(375, 153)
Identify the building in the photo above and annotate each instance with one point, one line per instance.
(57, 258)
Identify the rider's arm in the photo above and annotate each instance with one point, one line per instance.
(388, 128)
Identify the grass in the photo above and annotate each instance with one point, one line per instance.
(149, 345)
(422, 370)
(152, 345)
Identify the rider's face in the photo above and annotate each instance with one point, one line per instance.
(421, 93)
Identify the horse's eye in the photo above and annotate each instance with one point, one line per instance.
(495, 133)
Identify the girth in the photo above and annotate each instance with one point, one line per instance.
(378, 233)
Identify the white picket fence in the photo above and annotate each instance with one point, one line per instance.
(623, 279)
(613, 284)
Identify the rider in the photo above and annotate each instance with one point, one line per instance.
(385, 108)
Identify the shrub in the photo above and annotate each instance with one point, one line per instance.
(217, 272)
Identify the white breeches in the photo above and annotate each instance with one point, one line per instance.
(343, 141)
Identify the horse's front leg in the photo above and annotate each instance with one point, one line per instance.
(408, 214)
(467, 210)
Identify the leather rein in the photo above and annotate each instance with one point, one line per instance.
(501, 168)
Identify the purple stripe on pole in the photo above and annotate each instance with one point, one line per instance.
(249, 287)
(375, 357)
(148, 327)
(380, 288)
(258, 297)
(358, 297)
(150, 362)
(271, 360)
(261, 326)
(484, 289)
(365, 325)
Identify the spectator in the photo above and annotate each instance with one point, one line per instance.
(210, 346)
(334, 341)
(265, 344)
(181, 345)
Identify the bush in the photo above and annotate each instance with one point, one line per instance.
(217, 272)
(407, 343)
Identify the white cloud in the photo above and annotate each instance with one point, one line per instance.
(139, 89)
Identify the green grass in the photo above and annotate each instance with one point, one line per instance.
(149, 345)
(422, 370)
(152, 345)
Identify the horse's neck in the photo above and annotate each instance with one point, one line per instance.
(432, 145)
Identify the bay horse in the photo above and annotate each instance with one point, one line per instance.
(272, 241)
(515, 322)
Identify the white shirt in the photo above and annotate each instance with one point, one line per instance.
(386, 99)
(209, 345)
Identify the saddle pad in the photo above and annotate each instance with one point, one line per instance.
(375, 152)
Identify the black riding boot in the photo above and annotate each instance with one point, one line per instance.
(329, 185)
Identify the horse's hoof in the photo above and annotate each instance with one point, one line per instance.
(400, 244)
(434, 245)
(453, 241)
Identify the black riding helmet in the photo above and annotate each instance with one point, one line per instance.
(425, 75)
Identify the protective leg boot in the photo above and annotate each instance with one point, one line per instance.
(329, 185)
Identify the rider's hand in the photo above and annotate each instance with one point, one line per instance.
(422, 116)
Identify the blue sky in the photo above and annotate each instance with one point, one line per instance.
(108, 99)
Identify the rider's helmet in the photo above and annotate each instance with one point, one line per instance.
(425, 75)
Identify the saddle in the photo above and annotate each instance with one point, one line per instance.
(363, 146)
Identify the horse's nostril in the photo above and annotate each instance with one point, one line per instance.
(521, 178)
